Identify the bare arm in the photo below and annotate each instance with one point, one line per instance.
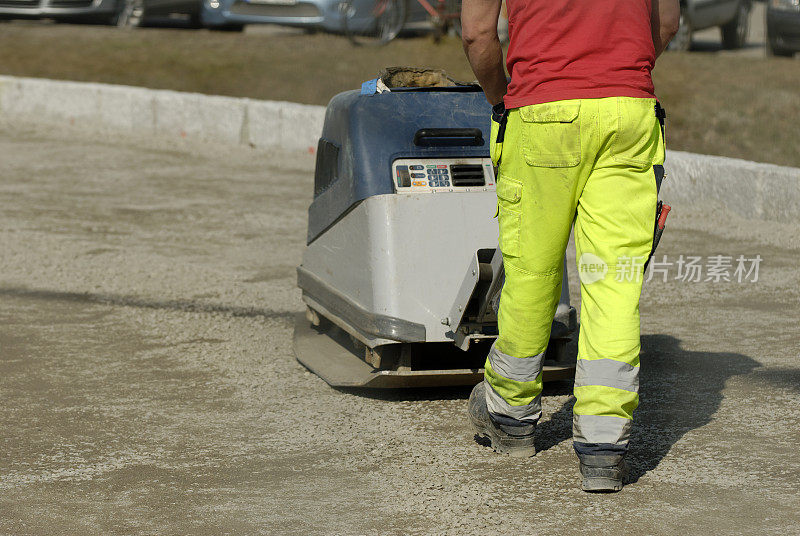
(665, 16)
(482, 46)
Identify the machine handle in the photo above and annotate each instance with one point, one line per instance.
(448, 137)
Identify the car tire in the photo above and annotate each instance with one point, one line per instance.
(777, 51)
(734, 34)
(131, 14)
(682, 42)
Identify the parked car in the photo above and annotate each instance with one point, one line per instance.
(783, 27)
(97, 10)
(732, 16)
(310, 14)
(119, 12)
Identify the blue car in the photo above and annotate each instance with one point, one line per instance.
(313, 14)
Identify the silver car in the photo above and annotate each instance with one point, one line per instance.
(120, 12)
(101, 10)
(313, 14)
(732, 16)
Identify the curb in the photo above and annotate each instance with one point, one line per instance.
(227, 120)
(749, 189)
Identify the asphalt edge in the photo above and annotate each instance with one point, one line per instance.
(752, 190)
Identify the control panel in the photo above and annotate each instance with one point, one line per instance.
(432, 175)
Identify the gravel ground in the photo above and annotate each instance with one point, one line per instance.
(147, 298)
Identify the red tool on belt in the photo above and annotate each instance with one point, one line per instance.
(662, 211)
(661, 219)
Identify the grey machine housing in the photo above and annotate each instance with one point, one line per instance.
(401, 274)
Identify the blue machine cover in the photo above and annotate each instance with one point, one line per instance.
(364, 133)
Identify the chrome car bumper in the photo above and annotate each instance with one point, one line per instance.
(56, 8)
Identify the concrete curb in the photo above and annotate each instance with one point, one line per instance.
(749, 189)
(263, 124)
(753, 190)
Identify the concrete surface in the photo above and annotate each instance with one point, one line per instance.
(148, 384)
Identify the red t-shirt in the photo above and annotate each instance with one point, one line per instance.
(578, 49)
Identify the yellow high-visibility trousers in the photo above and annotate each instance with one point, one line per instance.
(587, 162)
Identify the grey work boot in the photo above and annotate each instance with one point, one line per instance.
(602, 473)
(514, 440)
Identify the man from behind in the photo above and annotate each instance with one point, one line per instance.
(575, 136)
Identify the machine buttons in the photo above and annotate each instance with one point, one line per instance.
(428, 175)
(438, 181)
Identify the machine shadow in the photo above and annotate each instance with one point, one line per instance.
(411, 394)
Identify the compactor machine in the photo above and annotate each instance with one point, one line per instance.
(402, 275)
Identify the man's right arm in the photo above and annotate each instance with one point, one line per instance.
(482, 45)
(665, 17)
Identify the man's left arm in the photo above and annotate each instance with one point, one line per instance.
(482, 46)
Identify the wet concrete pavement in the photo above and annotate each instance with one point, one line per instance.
(147, 296)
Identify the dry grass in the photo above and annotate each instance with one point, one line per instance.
(717, 104)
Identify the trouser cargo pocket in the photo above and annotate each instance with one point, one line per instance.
(551, 134)
(509, 215)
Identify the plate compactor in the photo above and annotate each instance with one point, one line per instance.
(402, 275)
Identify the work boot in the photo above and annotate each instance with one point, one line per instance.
(506, 438)
(602, 473)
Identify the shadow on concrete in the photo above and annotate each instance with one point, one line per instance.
(680, 391)
(123, 300)
(411, 394)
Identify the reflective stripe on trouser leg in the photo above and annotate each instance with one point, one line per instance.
(608, 394)
(614, 228)
(515, 385)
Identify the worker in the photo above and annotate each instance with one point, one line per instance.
(576, 135)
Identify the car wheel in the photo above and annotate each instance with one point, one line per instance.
(775, 50)
(131, 14)
(682, 42)
(734, 34)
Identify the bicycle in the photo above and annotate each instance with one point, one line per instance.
(376, 22)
